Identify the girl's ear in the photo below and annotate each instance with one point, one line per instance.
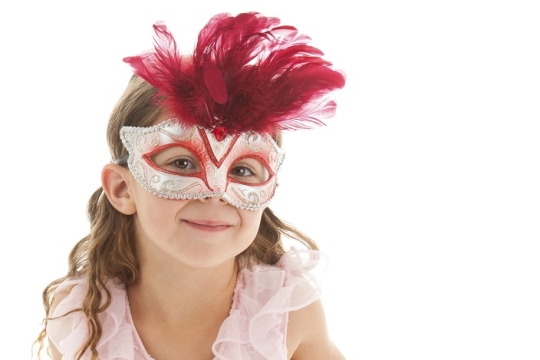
(115, 181)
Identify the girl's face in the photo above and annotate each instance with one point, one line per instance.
(198, 233)
(174, 167)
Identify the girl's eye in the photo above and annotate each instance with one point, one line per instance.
(184, 164)
(249, 170)
(241, 171)
(176, 159)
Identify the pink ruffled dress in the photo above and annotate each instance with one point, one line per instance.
(254, 330)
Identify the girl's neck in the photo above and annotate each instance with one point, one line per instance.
(179, 310)
(172, 282)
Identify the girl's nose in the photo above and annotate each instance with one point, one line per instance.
(216, 199)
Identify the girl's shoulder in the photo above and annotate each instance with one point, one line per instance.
(264, 296)
(307, 333)
(69, 295)
(294, 280)
(67, 327)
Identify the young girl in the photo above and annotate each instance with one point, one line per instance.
(184, 259)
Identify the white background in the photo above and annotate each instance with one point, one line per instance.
(423, 190)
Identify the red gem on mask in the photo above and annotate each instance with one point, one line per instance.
(220, 133)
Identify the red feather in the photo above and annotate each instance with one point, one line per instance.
(213, 79)
(246, 73)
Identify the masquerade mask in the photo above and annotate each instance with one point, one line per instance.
(247, 77)
(179, 161)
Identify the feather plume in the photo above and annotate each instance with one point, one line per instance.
(247, 73)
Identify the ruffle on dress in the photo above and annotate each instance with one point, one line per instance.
(255, 329)
(68, 333)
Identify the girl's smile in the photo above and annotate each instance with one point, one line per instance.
(207, 225)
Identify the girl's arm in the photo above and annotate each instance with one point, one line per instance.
(308, 337)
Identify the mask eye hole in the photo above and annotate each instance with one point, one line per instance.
(176, 159)
(249, 170)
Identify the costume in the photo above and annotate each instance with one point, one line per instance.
(255, 329)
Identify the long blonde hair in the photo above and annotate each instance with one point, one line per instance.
(109, 249)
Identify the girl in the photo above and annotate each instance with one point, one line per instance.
(184, 259)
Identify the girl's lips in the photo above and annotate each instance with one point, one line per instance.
(207, 225)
